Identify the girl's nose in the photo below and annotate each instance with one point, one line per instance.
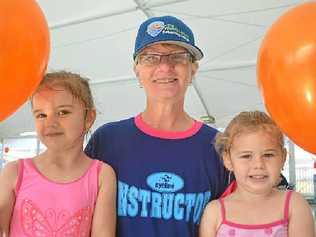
(51, 120)
(258, 162)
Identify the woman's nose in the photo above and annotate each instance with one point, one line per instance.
(165, 64)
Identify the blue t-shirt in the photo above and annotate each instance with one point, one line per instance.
(164, 179)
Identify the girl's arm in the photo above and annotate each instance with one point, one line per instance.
(104, 217)
(210, 220)
(301, 221)
(8, 177)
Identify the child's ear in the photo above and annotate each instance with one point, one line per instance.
(284, 154)
(90, 118)
(227, 161)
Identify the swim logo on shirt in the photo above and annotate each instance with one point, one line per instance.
(163, 200)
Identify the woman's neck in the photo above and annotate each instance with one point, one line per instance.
(167, 117)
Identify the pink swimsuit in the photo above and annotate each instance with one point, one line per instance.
(49, 209)
(274, 229)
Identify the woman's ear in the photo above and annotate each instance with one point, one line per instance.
(195, 67)
(227, 161)
(135, 69)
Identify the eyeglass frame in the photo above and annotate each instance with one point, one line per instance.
(189, 56)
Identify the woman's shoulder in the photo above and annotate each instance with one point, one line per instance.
(117, 124)
(115, 128)
(208, 129)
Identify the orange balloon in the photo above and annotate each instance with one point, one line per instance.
(24, 50)
(286, 74)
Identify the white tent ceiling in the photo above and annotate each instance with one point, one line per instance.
(96, 38)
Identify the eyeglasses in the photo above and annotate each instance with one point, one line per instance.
(151, 59)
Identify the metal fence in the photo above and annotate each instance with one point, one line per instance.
(304, 180)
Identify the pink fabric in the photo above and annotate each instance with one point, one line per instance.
(49, 209)
(274, 229)
(230, 189)
(166, 134)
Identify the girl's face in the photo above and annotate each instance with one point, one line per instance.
(61, 120)
(256, 158)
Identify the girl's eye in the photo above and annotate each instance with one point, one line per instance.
(245, 156)
(40, 116)
(268, 155)
(63, 112)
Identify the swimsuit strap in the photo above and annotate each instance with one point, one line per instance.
(221, 201)
(20, 175)
(287, 204)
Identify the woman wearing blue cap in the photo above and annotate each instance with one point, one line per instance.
(164, 159)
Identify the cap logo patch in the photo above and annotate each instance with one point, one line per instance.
(155, 28)
(172, 29)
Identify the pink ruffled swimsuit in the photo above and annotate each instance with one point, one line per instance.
(49, 209)
(274, 229)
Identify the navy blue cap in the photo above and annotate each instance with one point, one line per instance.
(166, 29)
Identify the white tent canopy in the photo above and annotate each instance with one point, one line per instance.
(96, 37)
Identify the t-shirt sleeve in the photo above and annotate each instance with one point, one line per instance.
(223, 175)
(91, 148)
(100, 145)
(226, 179)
